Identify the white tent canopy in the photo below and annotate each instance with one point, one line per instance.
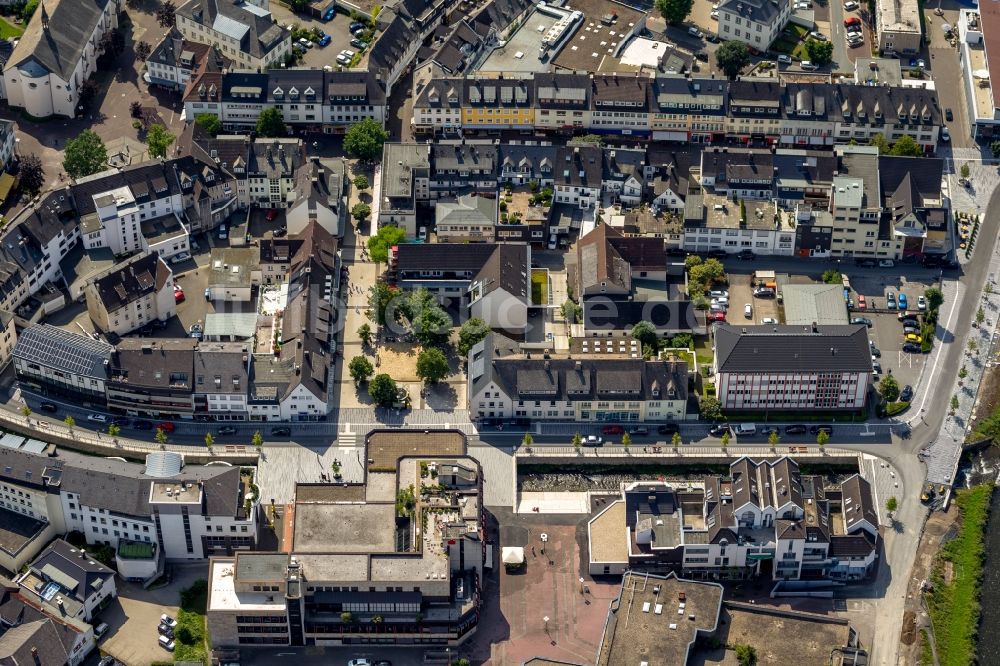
(981, 73)
(512, 555)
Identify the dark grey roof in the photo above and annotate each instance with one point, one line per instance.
(452, 257)
(792, 349)
(72, 564)
(160, 363)
(256, 31)
(857, 503)
(508, 268)
(852, 546)
(60, 47)
(17, 531)
(578, 166)
(53, 347)
(925, 179)
(760, 11)
(125, 283)
(220, 367)
(40, 642)
(601, 313)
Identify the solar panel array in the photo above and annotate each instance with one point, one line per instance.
(69, 352)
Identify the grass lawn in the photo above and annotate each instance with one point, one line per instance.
(783, 46)
(796, 30)
(539, 286)
(190, 634)
(801, 52)
(954, 604)
(8, 30)
(703, 350)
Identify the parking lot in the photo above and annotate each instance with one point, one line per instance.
(338, 28)
(133, 617)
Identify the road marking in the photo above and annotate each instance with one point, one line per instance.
(937, 357)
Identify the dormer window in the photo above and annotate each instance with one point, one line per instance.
(278, 93)
(310, 92)
(293, 93)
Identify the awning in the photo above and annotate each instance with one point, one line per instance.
(512, 555)
(761, 556)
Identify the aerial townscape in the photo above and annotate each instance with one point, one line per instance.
(499, 332)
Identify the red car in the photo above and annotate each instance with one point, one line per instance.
(178, 294)
(271, 216)
(717, 316)
(166, 426)
(612, 430)
(862, 304)
(852, 20)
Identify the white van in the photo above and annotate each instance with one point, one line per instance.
(745, 429)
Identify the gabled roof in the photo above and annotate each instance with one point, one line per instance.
(77, 572)
(53, 347)
(606, 256)
(58, 48)
(508, 268)
(792, 349)
(252, 27)
(126, 283)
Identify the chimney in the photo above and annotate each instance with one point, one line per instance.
(815, 327)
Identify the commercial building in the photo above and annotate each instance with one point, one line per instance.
(57, 362)
(765, 519)
(152, 377)
(233, 274)
(792, 367)
(175, 59)
(469, 219)
(379, 578)
(979, 54)
(131, 294)
(57, 53)
(244, 32)
(897, 24)
(221, 379)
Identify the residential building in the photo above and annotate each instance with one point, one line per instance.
(8, 338)
(396, 586)
(897, 24)
(174, 59)
(54, 361)
(67, 582)
(756, 23)
(244, 32)
(222, 380)
(33, 635)
(792, 367)
(131, 294)
(234, 273)
(764, 517)
(979, 56)
(56, 54)
(499, 292)
(607, 263)
(621, 104)
(578, 175)
(460, 168)
(190, 512)
(153, 377)
(624, 177)
(468, 219)
(405, 181)
(321, 189)
(583, 388)
(8, 143)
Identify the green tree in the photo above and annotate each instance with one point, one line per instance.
(527, 440)
(691, 261)
(165, 14)
(710, 409)
(972, 346)
(29, 10)
(271, 124)
(934, 298)
(114, 430)
(85, 154)
(30, 173)
(364, 140)
(25, 411)
(473, 332)
(360, 368)
(746, 655)
(209, 440)
(361, 182)
(725, 438)
(954, 403)
(732, 57)
(70, 422)
(891, 504)
(432, 365)
(382, 389)
(822, 437)
(995, 149)
(626, 440)
(572, 312)
(889, 388)
(346, 617)
(743, 210)
(880, 142)
(209, 122)
(381, 297)
(820, 53)
(577, 441)
(142, 50)
(907, 147)
(257, 440)
(831, 277)
(980, 316)
(645, 333)
(963, 373)
(675, 441)
(682, 341)
(674, 11)
(158, 140)
(160, 436)
(429, 322)
(773, 438)
(365, 333)
(965, 171)
(361, 212)
(382, 241)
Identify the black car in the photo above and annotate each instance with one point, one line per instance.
(227, 430)
(48, 407)
(906, 395)
(719, 430)
(948, 115)
(120, 421)
(767, 431)
(667, 428)
(745, 254)
(867, 263)
(795, 429)
(281, 432)
(142, 424)
(909, 322)
(817, 429)
(912, 348)
(676, 252)
(717, 254)
(862, 320)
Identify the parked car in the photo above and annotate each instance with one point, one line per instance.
(718, 307)
(748, 311)
(768, 320)
(948, 115)
(694, 32)
(718, 430)
(178, 295)
(97, 418)
(227, 430)
(921, 303)
(876, 352)
(165, 630)
(902, 301)
(166, 619)
(785, 59)
(281, 431)
(745, 254)
(886, 263)
(100, 630)
(639, 431)
(593, 440)
(329, 14)
(912, 348)
(223, 233)
(358, 44)
(178, 258)
(120, 421)
(816, 429)
(914, 337)
(906, 395)
(722, 300)
(305, 43)
(945, 135)
(718, 293)
(166, 426)
(612, 430)
(142, 424)
(818, 36)
(890, 301)
(324, 40)
(166, 643)
(667, 428)
(795, 429)
(910, 329)
(359, 662)
(808, 66)
(764, 292)
(48, 407)
(850, 6)
(356, 25)
(862, 303)
(876, 367)
(717, 316)
(862, 320)
(851, 20)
